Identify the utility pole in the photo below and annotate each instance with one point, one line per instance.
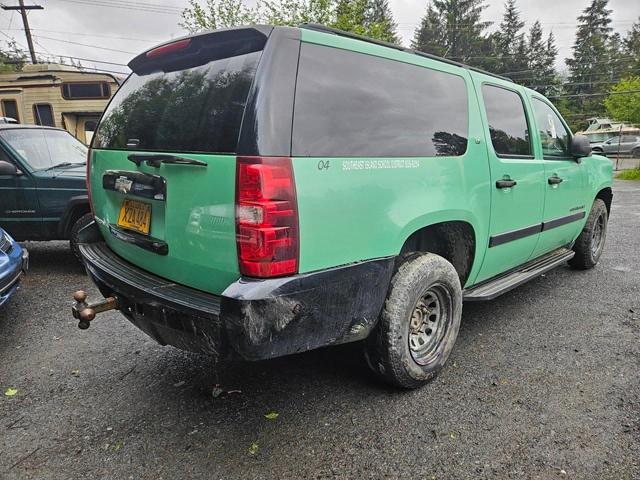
(23, 11)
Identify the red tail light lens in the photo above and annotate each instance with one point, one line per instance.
(169, 48)
(266, 217)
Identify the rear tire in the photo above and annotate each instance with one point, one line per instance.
(83, 221)
(635, 153)
(590, 242)
(419, 323)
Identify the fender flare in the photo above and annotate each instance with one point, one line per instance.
(65, 221)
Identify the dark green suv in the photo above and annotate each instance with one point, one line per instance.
(43, 183)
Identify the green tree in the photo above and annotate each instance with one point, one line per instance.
(214, 14)
(429, 37)
(295, 12)
(379, 14)
(510, 45)
(371, 18)
(632, 46)
(540, 61)
(589, 63)
(623, 103)
(12, 58)
(549, 72)
(462, 31)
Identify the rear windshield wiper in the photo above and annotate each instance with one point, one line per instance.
(64, 165)
(156, 160)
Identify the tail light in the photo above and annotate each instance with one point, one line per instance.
(89, 180)
(266, 217)
(169, 48)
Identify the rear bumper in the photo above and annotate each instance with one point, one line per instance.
(253, 319)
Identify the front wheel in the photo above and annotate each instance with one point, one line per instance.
(419, 323)
(635, 153)
(590, 242)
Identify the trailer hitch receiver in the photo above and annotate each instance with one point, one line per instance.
(86, 312)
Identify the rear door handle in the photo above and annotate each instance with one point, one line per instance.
(156, 160)
(555, 180)
(506, 183)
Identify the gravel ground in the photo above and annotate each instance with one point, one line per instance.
(543, 383)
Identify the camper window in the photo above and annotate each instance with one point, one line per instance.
(85, 90)
(10, 109)
(43, 114)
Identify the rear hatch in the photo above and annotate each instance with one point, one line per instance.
(162, 167)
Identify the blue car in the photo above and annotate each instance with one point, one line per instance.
(14, 260)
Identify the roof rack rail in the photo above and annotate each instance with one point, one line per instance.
(323, 28)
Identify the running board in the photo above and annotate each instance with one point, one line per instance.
(492, 288)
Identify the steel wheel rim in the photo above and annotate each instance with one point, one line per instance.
(428, 324)
(597, 236)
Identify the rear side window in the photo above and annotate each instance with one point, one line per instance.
(355, 105)
(507, 121)
(197, 109)
(553, 134)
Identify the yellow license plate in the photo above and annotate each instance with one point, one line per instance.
(135, 216)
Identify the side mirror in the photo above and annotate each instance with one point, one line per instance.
(7, 168)
(580, 146)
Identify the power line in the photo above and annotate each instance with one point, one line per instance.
(97, 35)
(25, 22)
(84, 59)
(87, 45)
(125, 6)
(595, 94)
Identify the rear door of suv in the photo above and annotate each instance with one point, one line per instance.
(163, 161)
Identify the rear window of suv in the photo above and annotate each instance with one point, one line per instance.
(197, 109)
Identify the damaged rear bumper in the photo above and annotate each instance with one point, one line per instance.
(253, 319)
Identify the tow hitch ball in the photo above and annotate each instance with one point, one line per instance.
(86, 312)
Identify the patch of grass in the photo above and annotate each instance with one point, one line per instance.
(632, 174)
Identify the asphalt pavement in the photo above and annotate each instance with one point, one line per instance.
(543, 383)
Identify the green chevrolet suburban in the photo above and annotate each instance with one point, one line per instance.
(262, 191)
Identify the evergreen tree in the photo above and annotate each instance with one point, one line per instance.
(632, 47)
(429, 36)
(371, 18)
(379, 17)
(588, 66)
(551, 80)
(510, 42)
(535, 58)
(461, 31)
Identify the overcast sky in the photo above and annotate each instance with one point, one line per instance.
(127, 27)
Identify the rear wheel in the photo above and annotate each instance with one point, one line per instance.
(590, 242)
(635, 153)
(83, 221)
(419, 323)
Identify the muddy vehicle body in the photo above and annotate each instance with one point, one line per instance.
(263, 191)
